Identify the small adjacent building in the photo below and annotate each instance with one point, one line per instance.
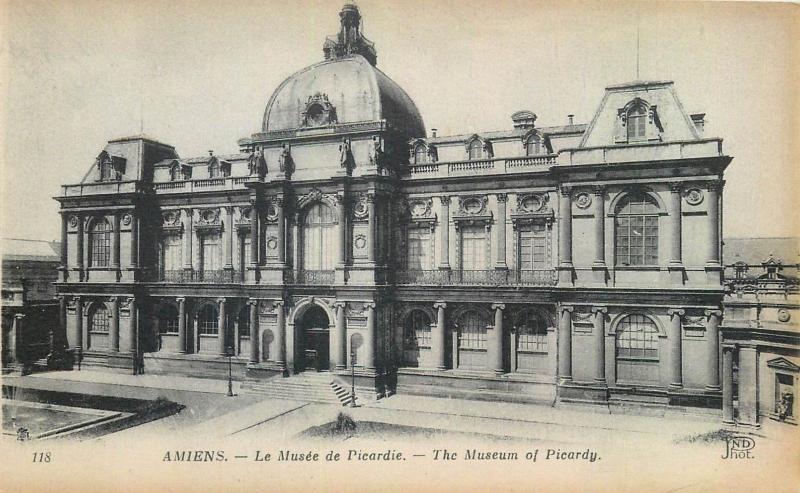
(761, 331)
(29, 303)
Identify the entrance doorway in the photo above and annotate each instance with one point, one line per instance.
(314, 341)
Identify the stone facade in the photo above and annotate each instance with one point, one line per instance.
(580, 262)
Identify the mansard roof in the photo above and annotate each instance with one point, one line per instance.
(508, 134)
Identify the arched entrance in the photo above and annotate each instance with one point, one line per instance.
(313, 340)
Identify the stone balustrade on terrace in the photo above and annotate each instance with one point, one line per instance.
(494, 166)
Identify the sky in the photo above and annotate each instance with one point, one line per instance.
(197, 75)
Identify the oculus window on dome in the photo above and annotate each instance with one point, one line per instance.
(318, 111)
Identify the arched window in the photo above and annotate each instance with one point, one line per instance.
(637, 338)
(636, 236)
(100, 244)
(207, 320)
(531, 333)
(476, 149)
(168, 319)
(99, 320)
(417, 330)
(420, 154)
(175, 172)
(636, 120)
(213, 169)
(319, 235)
(472, 330)
(532, 145)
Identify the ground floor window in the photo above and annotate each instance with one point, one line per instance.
(417, 330)
(168, 320)
(637, 350)
(207, 321)
(784, 395)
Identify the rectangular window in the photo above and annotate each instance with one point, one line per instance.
(210, 252)
(473, 248)
(784, 395)
(173, 253)
(637, 240)
(533, 247)
(419, 249)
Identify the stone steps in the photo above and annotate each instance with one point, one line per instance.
(545, 396)
(311, 387)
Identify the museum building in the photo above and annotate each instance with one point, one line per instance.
(578, 262)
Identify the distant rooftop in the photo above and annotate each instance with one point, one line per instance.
(22, 249)
(754, 251)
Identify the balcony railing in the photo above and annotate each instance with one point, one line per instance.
(481, 166)
(319, 277)
(196, 276)
(477, 277)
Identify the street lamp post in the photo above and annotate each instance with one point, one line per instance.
(229, 353)
(352, 379)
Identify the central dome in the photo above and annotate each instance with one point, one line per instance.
(345, 88)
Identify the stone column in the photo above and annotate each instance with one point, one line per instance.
(565, 344)
(712, 359)
(134, 250)
(727, 384)
(599, 343)
(114, 333)
(565, 236)
(675, 348)
(62, 323)
(227, 240)
(369, 340)
(14, 335)
(675, 229)
(188, 236)
(254, 232)
(748, 385)
(438, 338)
(502, 198)
(64, 238)
(280, 334)
(79, 248)
(444, 236)
(134, 321)
(115, 242)
(181, 325)
(77, 336)
(279, 203)
(497, 339)
(342, 219)
(254, 330)
(599, 227)
(222, 327)
(340, 339)
(713, 224)
(373, 227)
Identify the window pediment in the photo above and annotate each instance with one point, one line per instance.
(783, 364)
(478, 147)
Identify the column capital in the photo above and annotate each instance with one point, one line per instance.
(676, 187)
(566, 191)
(339, 304)
(180, 299)
(599, 191)
(498, 306)
(440, 304)
(502, 197)
(444, 199)
(113, 299)
(715, 186)
(370, 305)
(713, 313)
(676, 311)
(252, 302)
(566, 308)
(279, 303)
(221, 301)
(19, 316)
(600, 309)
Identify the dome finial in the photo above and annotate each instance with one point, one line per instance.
(349, 41)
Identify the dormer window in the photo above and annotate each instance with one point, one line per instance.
(213, 169)
(532, 145)
(420, 154)
(175, 172)
(475, 150)
(637, 117)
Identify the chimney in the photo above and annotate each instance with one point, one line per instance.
(433, 132)
(210, 152)
(571, 119)
(699, 120)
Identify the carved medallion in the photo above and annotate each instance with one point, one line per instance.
(360, 242)
(530, 203)
(420, 208)
(73, 222)
(272, 212)
(170, 218)
(583, 200)
(472, 205)
(209, 216)
(126, 219)
(694, 196)
(272, 243)
(360, 209)
(784, 315)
